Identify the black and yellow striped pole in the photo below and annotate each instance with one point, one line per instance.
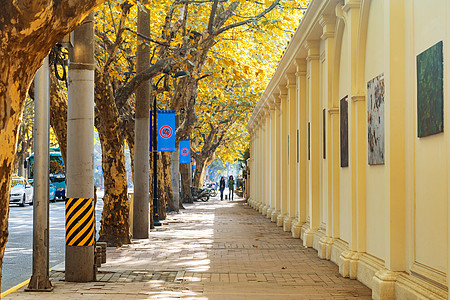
(79, 222)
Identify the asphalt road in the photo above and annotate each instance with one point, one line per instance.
(17, 262)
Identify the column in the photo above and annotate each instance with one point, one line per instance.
(302, 147)
(283, 154)
(315, 135)
(292, 218)
(349, 259)
(272, 161)
(277, 158)
(395, 260)
(328, 26)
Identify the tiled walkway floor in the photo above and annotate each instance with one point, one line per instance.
(213, 250)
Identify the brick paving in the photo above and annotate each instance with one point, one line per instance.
(212, 250)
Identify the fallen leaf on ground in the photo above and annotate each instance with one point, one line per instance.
(256, 246)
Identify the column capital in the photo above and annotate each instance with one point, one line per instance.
(271, 102)
(339, 10)
(291, 80)
(328, 23)
(300, 63)
(277, 100)
(350, 4)
(313, 47)
(357, 98)
(283, 91)
(333, 110)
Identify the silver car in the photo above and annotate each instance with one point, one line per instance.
(21, 192)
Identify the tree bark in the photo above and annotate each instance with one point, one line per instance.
(114, 224)
(186, 195)
(175, 172)
(28, 30)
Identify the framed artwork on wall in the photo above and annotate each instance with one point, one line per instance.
(375, 120)
(344, 131)
(430, 91)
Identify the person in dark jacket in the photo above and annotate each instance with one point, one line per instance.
(231, 187)
(221, 187)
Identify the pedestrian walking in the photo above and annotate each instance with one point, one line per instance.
(231, 187)
(221, 187)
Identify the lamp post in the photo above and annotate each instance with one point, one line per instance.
(156, 221)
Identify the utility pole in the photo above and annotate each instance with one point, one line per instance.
(80, 157)
(40, 278)
(141, 201)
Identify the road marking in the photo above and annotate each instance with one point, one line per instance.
(14, 288)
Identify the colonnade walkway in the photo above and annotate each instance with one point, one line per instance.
(212, 250)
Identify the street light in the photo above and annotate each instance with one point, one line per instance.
(156, 222)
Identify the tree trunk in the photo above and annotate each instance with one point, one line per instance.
(199, 170)
(114, 224)
(175, 172)
(162, 195)
(167, 163)
(186, 195)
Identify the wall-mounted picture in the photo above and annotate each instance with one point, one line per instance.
(344, 131)
(430, 91)
(375, 120)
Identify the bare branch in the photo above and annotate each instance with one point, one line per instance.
(212, 16)
(243, 22)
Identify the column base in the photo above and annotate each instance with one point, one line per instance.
(280, 219)
(383, 285)
(274, 215)
(264, 210)
(287, 222)
(307, 235)
(325, 246)
(260, 207)
(269, 212)
(296, 228)
(348, 264)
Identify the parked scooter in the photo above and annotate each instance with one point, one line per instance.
(200, 194)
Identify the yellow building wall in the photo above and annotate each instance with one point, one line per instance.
(345, 186)
(375, 176)
(430, 153)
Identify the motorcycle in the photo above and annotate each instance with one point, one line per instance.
(212, 189)
(200, 194)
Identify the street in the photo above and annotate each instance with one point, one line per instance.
(17, 262)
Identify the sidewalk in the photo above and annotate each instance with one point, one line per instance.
(213, 250)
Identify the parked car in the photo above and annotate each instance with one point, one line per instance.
(21, 191)
(52, 192)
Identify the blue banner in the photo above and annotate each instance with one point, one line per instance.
(185, 151)
(166, 130)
